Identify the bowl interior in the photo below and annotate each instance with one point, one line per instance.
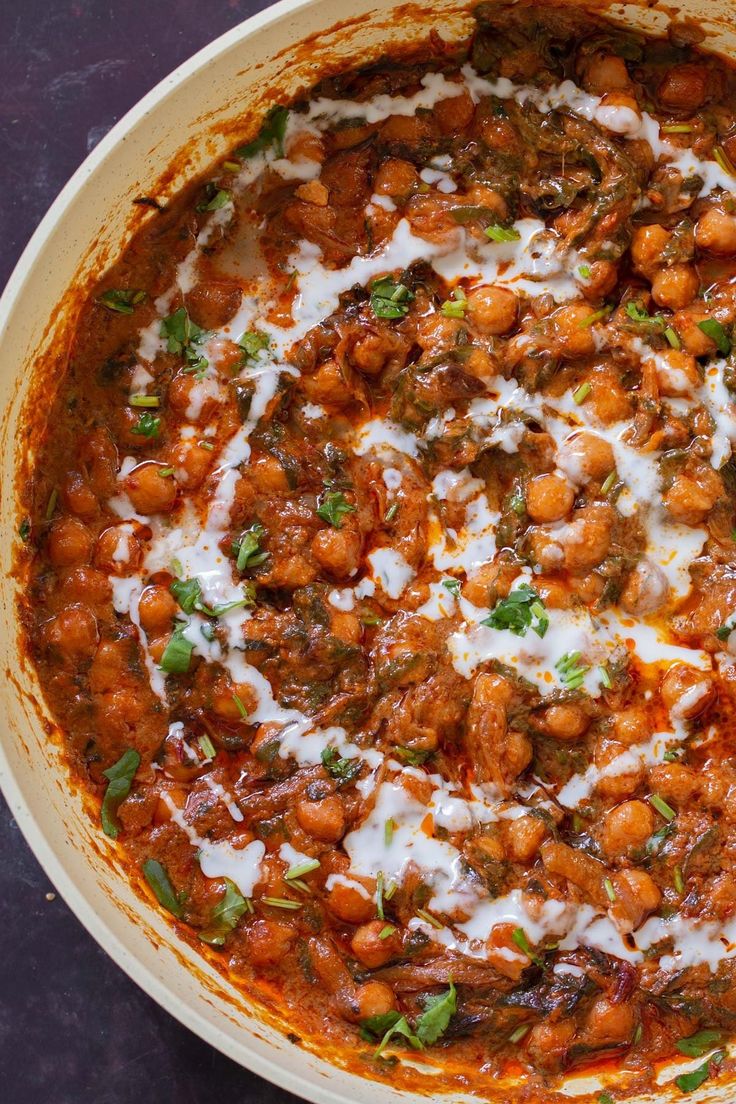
(190, 119)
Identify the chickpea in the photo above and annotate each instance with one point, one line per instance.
(269, 476)
(73, 632)
(306, 147)
(325, 819)
(118, 550)
(587, 539)
(77, 496)
(553, 593)
(585, 457)
(694, 341)
(455, 113)
(223, 701)
(523, 837)
(609, 1023)
(492, 310)
(647, 246)
(346, 626)
(549, 1042)
(677, 373)
(646, 589)
(630, 726)
(605, 73)
(503, 954)
(549, 498)
(395, 178)
(149, 490)
(637, 894)
(675, 287)
(693, 493)
(86, 584)
(489, 577)
(337, 551)
(716, 232)
(686, 691)
(313, 191)
(156, 609)
(626, 828)
(191, 463)
(194, 400)
(327, 385)
(566, 721)
(374, 998)
(674, 782)
(350, 904)
(370, 949)
(267, 941)
(601, 281)
(617, 786)
(572, 333)
(684, 87)
(70, 542)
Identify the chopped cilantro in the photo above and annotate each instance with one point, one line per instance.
(389, 299)
(522, 610)
(272, 134)
(225, 915)
(148, 425)
(332, 508)
(178, 653)
(120, 779)
(121, 300)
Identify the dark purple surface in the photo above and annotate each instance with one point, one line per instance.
(73, 1028)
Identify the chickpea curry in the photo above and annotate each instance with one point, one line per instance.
(381, 557)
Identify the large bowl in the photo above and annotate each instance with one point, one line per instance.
(191, 118)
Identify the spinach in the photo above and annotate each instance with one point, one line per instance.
(272, 133)
(225, 915)
(120, 778)
(157, 878)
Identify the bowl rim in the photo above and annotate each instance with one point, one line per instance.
(276, 1071)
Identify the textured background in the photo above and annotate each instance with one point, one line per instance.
(73, 1028)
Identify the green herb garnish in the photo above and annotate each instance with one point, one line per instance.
(436, 1016)
(519, 937)
(389, 299)
(188, 593)
(344, 770)
(662, 807)
(219, 198)
(502, 233)
(272, 133)
(695, 1046)
(253, 342)
(713, 329)
(522, 610)
(148, 425)
(225, 915)
(332, 508)
(688, 1082)
(178, 653)
(121, 300)
(157, 878)
(247, 549)
(453, 585)
(572, 675)
(120, 778)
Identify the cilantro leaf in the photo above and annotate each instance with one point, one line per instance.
(121, 300)
(148, 425)
(502, 233)
(178, 653)
(157, 878)
(182, 336)
(253, 342)
(389, 299)
(272, 133)
(332, 508)
(713, 329)
(247, 549)
(344, 770)
(188, 593)
(120, 779)
(225, 915)
(437, 1014)
(523, 609)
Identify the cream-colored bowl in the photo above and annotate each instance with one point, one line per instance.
(194, 116)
